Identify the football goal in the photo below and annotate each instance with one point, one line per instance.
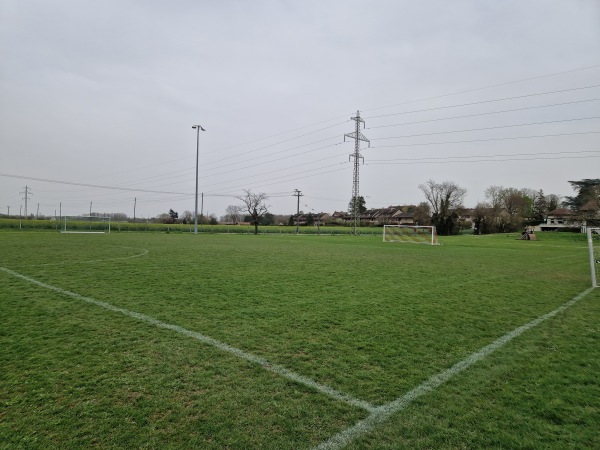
(85, 225)
(410, 233)
(593, 235)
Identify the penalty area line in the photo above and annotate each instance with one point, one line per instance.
(275, 368)
(385, 412)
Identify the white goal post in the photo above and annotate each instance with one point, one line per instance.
(410, 233)
(85, 225)
(593, 235)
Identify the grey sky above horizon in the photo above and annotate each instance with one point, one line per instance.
(98, 99)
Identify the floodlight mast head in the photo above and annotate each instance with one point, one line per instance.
(197, 128)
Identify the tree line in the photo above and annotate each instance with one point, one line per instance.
(505, 209)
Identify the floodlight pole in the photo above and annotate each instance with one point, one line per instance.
(592, 259)
(198, 128)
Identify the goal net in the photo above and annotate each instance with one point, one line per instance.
(410, 233)
(85, 225)
(594, 248)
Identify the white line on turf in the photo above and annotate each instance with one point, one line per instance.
(144, 252)
(384, 412)
(279, 370)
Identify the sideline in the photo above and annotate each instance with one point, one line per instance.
(144, 252)
(275, 368)
(384, 412)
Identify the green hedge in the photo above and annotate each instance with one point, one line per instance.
(115, 227)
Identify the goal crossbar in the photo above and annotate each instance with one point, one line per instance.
(410, 233)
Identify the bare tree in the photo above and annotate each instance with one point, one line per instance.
(445, 198)
(484, 218)
(255, 205)
(188, 217)
(514, 201)
(494, 195)
(232, 213)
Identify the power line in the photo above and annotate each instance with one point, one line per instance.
(164, 176)
(282, 151)
(488, 128)
(485, 101)
(262, 174)
(372, 109)
(487, 87)
(487, 160)
(168, 176)
(301, 178)
(487, 140)
(273, 144)
(446, 158)
(286, 176)
(483, 114)
(71, 183)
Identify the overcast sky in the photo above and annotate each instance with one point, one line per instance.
(103, 94)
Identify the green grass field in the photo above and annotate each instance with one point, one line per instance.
(153, 340)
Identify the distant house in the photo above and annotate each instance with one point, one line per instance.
(467, 216)
(391, 215)
(401, 218)
(341, 217)
(561, 218)
(318, 218)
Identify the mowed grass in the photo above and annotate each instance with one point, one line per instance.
(370, 319)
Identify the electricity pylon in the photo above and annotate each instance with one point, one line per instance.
(357, 136)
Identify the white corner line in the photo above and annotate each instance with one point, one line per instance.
(275, 368)
(384, 412)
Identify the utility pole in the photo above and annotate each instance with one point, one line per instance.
(298, 194)
(357, 136)
(26, 197)
(37, 214)
(197, 128)
(134, 204)
(60, 211)
(8, 214)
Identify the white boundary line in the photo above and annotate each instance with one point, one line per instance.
(384, 412)
(144, 252)
(275, 368)
(378, 415)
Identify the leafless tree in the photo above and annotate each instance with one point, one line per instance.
(445, 198)
(255, 205)
(484, 218)
(494, 195)
(511, 200)
(188, 217)
(232, 213)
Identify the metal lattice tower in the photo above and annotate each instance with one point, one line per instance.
(357, 136)
(26, 195)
